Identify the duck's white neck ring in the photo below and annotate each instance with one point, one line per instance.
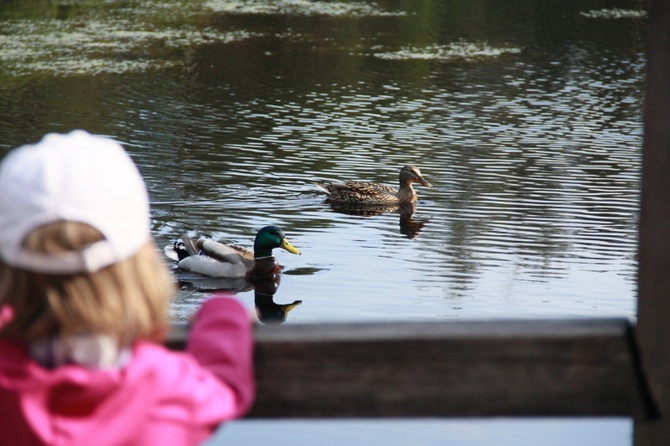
(266, 257)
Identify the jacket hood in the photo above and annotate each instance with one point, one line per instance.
(59, 404)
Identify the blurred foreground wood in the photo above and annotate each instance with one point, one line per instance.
(493, 368)
(654, 254)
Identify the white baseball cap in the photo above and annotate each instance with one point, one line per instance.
(77, 177)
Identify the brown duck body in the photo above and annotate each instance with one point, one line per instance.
(370, 193)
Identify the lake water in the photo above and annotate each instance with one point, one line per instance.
(524, 115)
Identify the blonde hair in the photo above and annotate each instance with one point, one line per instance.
(127, 300)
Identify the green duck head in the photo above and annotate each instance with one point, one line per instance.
(269, 238)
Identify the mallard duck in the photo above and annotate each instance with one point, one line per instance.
(369, 193)
(214, 259)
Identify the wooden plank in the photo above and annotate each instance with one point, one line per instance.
(654, 256)
(529, 368)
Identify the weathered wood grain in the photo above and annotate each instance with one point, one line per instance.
(654, 256)
(492, 368)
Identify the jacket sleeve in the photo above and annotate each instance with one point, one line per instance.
(221, 341)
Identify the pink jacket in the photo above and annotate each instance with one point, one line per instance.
(160, 398)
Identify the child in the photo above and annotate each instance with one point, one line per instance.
(83, 308)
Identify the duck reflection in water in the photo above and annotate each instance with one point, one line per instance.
(409, 225)
(267, 310)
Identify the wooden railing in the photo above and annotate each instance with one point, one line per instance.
(584, 367)
(530, 368)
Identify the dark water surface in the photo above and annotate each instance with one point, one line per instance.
(524, 115)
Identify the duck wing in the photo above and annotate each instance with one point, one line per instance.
(359, 192)
(246, 253)
(225, 253)
(215, 259)
(212, 267)
(189, 244)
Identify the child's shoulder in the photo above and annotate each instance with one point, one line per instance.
(158, 360)
(147, 353)
(176, 375)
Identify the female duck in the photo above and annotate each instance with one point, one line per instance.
(214, 259)
(368, 193)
